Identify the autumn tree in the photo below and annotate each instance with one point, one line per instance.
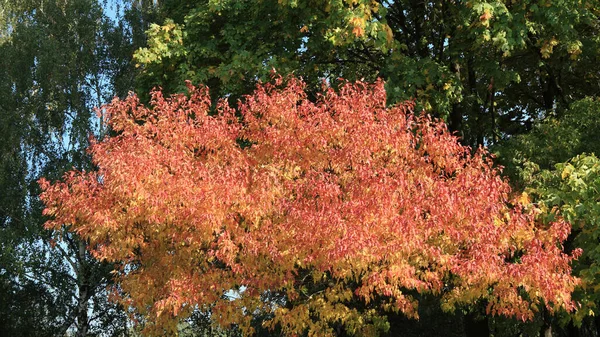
(342, 209)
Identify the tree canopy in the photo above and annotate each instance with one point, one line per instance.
(329, 203)
(492, 68)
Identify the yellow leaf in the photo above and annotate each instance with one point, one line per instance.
(358, 24)
(548, 47)
(388, 33)
(524, 199)
(566, 171)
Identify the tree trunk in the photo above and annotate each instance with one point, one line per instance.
(83, 287)
(547, 326)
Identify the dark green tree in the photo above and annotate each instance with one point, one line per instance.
(491, 68)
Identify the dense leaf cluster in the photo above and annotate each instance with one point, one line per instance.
(344, 206)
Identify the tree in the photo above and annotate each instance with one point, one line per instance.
(491, 68)
(58, 59)
(554, 163)
(341, 208)
(570, 190)
(555, 140)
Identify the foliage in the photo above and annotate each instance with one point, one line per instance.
(345, 207)
(229, 44)
(58, 59)
(571, 190)
(492, 68)
(556, 140)
(536, 162)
